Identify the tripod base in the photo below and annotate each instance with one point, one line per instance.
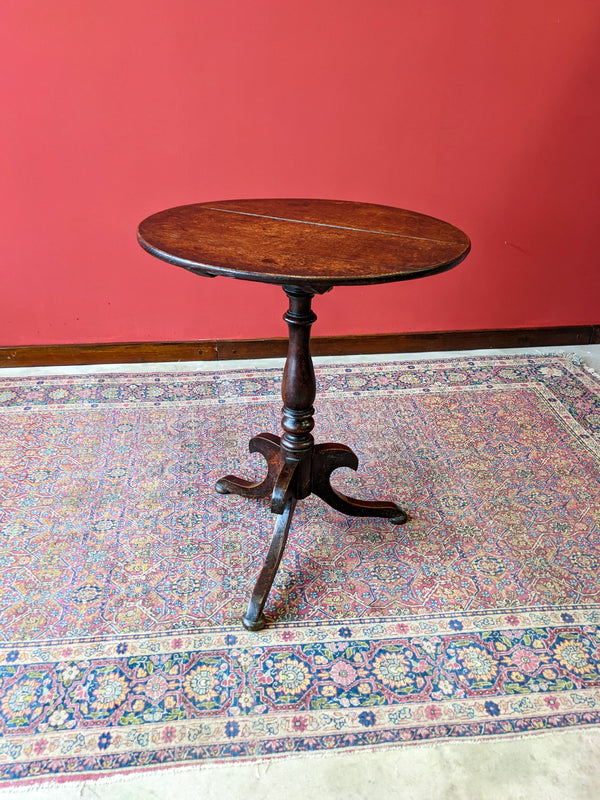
(297, 467)
(282, 484)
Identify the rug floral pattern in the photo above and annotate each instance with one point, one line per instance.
(124, 575)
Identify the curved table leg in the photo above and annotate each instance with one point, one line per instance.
(267, 444)
(328, 457)
(254, 618)
(284, 486)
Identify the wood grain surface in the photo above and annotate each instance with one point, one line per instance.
(316, 244)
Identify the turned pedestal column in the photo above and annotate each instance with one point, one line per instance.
(296, 466)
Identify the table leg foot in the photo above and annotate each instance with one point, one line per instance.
(267, 444)
(327, 458)
(253, 623)
(254, 619)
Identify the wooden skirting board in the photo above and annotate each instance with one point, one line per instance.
(226, 349)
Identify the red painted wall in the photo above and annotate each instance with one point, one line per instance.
(486, 114)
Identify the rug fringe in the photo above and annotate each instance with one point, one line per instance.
(591, 370)
(262, 764)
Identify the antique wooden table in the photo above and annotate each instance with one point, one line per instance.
(307, 247)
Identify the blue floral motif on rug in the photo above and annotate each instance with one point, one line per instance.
(123, 575)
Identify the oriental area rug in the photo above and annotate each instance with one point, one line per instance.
(123, 575)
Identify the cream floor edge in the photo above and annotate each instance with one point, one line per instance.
(556, 765)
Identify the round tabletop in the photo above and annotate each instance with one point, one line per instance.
(315, 244)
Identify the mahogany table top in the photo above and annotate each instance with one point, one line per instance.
(314, 244)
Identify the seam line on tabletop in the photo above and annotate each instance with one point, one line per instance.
(325, 225)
